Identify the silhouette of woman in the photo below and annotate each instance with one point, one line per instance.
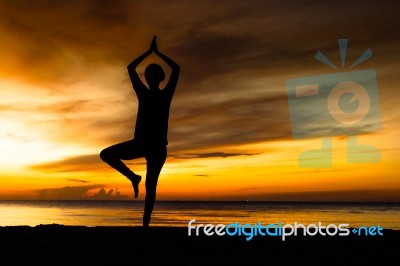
(150, 139)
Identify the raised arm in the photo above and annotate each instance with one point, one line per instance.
(173, 79)
(136, 81)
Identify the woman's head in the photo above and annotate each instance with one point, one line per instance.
(154, 74)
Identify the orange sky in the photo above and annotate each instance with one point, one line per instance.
(65, 95)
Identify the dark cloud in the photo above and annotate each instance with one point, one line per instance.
(46, 33)
(235, 121)
(280, 37)
(235, 60)
(81, 163)
(65, 193)
(77, 180)
(209, 155)
(92, 162)
(79, 193)
(220, 154)
(232, 37)
(111, 194)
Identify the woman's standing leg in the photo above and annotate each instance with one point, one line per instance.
(155, 161)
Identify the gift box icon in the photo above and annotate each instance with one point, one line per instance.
(344, 103)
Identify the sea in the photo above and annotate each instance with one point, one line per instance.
(179, 213)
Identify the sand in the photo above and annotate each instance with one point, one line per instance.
(79, 245)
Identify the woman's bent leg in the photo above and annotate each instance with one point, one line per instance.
(124, 151)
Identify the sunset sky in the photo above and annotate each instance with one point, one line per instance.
(65, 95)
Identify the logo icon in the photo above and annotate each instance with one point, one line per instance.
(338, 104)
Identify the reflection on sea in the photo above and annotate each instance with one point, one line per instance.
(178, 213)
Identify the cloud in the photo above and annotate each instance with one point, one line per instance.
(112, 194)
(235, 60)
(209, 155)
(230, 122)
(65, 193)
(79, 193)
(77, 180)
(81, 163)
(92, 162)
(54, 49)
(71, 164)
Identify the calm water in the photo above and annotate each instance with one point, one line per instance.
(178, 213)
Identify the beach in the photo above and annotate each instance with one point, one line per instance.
(55, 244)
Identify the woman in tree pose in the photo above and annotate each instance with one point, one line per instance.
(150, 140)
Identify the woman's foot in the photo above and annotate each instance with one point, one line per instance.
(135, 179)
(146, 220)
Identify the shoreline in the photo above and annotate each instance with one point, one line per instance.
(59, 244)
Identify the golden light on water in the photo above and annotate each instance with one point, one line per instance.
(180, 213)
